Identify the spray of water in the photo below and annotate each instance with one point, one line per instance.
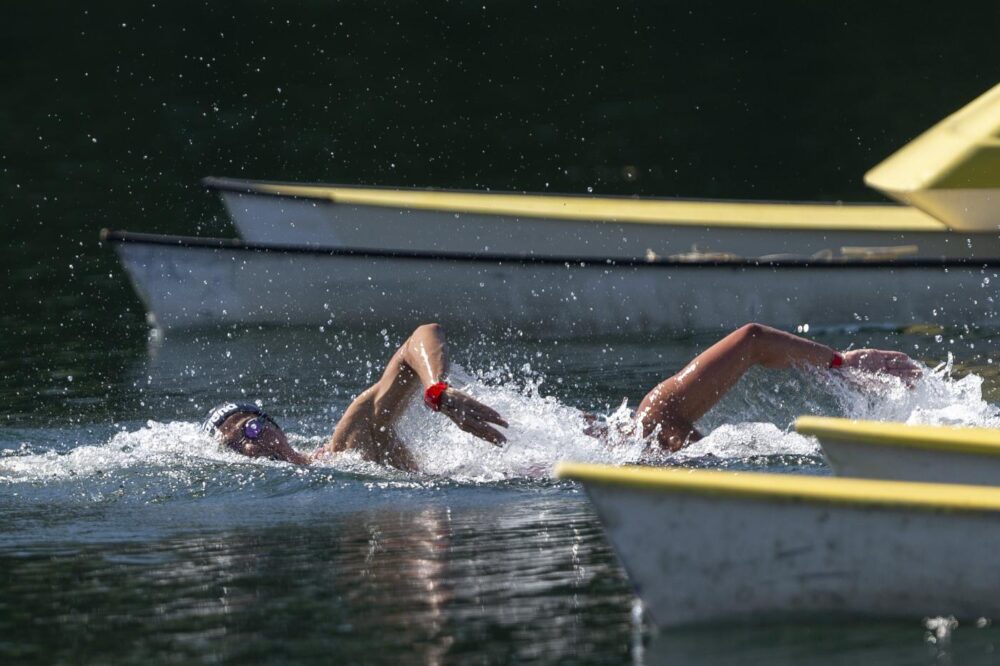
(936, 398)
(753, 422)
(542, 431)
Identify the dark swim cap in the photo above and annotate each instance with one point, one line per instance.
(218, 416)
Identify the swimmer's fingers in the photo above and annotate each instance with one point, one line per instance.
(906, 372)
(892, 363)
(484, 431)
(472, 416)
(899, 362)
(485, 413)
(455, 403)
(902, 367)
(478, 427)
(877, 360)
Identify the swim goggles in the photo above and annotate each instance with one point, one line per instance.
(251, 429)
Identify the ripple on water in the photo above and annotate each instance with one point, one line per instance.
(176, 461)
(419, 582)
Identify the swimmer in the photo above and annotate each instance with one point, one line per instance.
(669, 411)
(368, 424)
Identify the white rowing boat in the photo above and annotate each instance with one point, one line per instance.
(189, 282)
(877, 450)
(707, 546)
(947, 177)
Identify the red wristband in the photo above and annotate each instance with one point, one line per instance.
(433, 393)
(837, 360)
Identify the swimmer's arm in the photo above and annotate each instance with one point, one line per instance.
(368, 423)
(374, 440)
(687, 396)
(678, 402)
(421, 362)
(418, 363)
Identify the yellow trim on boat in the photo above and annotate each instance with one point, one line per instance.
(789, 487)
(788, 216)
(982, 441)
(962, 151)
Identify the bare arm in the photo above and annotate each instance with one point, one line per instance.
(368, 424)
(419, 363)
(676, 403)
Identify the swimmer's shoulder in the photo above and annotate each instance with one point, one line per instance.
(354, 427)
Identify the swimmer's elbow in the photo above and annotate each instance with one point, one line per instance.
(676, 439)
(432, 333)
(757, 343)
(431, 328)
(752, 331)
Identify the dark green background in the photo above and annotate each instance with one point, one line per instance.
(112, 111)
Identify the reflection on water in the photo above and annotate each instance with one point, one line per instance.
(833, 643)
(427, 585)
(122, 541)
(518, 581)
(126, 535)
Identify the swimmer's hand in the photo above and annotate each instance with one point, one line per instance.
(472, 416)
(892, 363)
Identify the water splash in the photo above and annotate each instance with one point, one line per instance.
(743, 442)
(936, 399)
(542, 432)
(752, 426)
(167, 445)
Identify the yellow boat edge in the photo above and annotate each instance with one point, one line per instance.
(962, 151)
(946, 439)
(739, 214)
(800, 488)
(946, 178)
(951, 171)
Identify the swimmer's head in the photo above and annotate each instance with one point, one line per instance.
(247, 429)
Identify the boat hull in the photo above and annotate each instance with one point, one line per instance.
(701, 554)
(947, 178)
(188, 282)
(741, 229)
(934, 454)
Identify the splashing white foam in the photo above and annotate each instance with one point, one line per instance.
(542, 432)
(936, 399)
(172, 446)
(748, 440)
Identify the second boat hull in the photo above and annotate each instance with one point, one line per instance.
(189, 282)
(587, 228)
(935, 454)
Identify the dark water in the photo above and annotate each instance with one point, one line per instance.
(125, 538)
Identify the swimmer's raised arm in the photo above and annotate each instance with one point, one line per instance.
(420, 363)
(676, 403)
(368, 424)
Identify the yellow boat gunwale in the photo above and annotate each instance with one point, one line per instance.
(946, 439)
(962, 151)
(753, 215)
(790, 487)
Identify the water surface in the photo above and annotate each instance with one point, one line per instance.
(119, 518)
(125, 536)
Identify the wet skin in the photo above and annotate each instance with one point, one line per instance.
(666, 414)
(272, 442)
